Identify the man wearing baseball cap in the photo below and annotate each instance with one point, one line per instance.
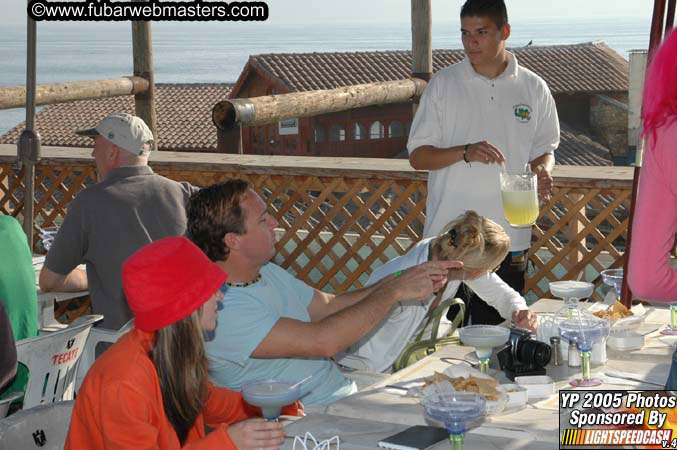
(128, 208)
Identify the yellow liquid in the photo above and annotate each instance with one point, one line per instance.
(520, 207)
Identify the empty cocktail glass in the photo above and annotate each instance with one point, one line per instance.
(584, 329)
(458, 411)
(613, 278)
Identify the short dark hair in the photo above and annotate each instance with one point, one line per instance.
(214, 211)
(493, 9)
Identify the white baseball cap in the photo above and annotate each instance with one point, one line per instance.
(124, 130)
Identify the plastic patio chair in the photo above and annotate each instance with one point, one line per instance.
(425, 343)
(52, 362)
(429, 340)
(44, 427)
(89, 355)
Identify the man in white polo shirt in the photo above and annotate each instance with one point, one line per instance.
(474, 116)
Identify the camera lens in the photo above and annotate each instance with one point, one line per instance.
(534, 352)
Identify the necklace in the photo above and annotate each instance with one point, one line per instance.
(248, 283)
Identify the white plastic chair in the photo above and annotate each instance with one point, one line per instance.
(44, 427)
(52, 362)
(96, 336)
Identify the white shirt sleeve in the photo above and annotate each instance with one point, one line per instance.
(426, 129)
(546, 139)
(498, 294)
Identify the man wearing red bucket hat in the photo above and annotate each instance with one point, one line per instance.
(150, 389)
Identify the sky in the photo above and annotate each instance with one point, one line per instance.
(297, 12)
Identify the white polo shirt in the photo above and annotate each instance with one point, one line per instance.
(515, 112)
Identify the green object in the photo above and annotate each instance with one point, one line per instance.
(673, 315)
(17, 290)
(420, 348)
(17, 279)
(585, 362)
(456, 441)
(398, 273)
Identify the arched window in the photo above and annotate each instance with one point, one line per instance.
(359, 132)
(337, 133)
(376, 130)
(319, 132)
(395, 129)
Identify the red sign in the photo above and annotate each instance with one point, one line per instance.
(63, 358)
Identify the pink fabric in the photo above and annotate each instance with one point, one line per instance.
(655, 224)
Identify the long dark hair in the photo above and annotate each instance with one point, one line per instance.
(181, 363)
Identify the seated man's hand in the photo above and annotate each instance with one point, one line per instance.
(419, 282)
(525, 318)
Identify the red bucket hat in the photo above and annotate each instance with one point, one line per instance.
(167, 280)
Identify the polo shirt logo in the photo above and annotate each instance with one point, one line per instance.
(522, 112)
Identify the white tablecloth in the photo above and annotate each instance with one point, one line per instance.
(538, 422)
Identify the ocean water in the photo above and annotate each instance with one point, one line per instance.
(217, 52)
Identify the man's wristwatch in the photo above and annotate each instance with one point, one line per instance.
(465, 153)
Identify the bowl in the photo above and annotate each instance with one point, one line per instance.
(537, 386)
(517, 395)
(625, 341)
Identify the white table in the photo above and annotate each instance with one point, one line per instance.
(360, 434)
(538, 422)
(46, 300)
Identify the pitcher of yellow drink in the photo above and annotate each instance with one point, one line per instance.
(520, 198)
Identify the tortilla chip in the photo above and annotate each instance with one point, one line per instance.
(616, 311)
(484, 386)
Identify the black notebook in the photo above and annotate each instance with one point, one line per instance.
(418, 437)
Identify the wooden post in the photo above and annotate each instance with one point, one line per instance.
(144, 102)
(421, 39)
(421, 42)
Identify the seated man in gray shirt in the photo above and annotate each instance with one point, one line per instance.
(128, 208)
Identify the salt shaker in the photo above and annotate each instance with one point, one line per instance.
(554, 344)
(574, 355)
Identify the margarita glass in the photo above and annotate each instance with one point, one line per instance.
(271, 396)
(584, 329)
(671, 330)
(571, 291)
(458, 411)
(613, 278)
(484, 338)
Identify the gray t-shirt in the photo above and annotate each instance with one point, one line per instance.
(109, 221)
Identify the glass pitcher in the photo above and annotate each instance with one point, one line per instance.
(520, 198)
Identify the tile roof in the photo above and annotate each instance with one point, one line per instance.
(184, 114)
(586, 67)
(576, 148)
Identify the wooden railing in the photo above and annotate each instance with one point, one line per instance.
(339, 218)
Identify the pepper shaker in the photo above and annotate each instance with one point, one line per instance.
(554, 344)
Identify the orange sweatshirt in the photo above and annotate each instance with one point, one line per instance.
(119, 405)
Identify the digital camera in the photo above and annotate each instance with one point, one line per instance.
(523, 355)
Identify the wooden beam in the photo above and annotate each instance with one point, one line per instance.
(144, 102)
(273, 108)
(48, 94)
